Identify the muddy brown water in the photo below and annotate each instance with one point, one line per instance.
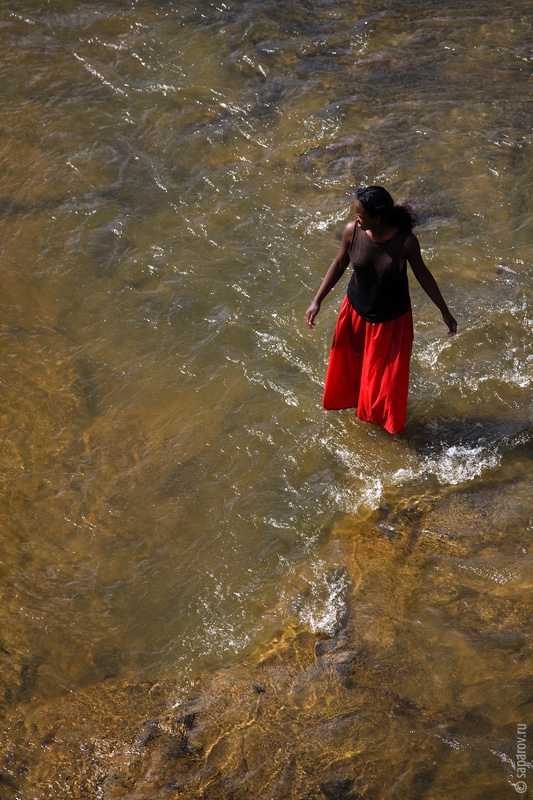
(210, 587)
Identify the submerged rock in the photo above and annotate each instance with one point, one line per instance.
(417, 695)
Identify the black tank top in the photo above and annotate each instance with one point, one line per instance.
(378, 289)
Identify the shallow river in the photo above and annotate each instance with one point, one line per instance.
(175, 179)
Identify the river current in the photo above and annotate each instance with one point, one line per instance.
(175, 180)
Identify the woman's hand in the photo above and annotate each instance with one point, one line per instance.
(311, 313)
(450, 322)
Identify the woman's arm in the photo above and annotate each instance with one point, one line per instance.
(427, 281)
(336, 270)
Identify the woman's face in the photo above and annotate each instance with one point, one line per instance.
(363, 218)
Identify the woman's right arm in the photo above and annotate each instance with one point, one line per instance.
(332, 276)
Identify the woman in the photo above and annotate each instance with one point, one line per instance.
(369, 361)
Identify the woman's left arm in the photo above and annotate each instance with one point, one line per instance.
(411, 251)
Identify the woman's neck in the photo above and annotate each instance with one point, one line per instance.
(381, 232)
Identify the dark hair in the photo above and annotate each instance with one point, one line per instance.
(377, 201)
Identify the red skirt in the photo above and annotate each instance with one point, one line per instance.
(369, 368)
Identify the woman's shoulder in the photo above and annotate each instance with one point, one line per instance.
(347, 234)
(410, 242)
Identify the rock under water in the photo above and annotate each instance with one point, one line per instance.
(409, 699)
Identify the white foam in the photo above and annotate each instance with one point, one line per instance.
(429, 355)
(520, 374)
(365, 488)
(459, 464)
(325, 603)
(456, 464)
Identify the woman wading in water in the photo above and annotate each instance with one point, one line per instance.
(369, 361)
